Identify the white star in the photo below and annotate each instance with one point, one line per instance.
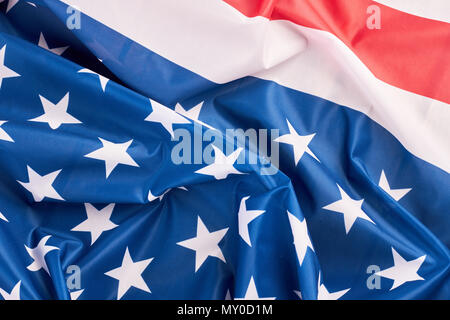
(301, 236)
(205, 244)
(2, 217)
(103, 80)
(323, 294)
(193, 113)
(350, 208)
(97, 222)
(252, 293)
(43, 44)
(11, 3)
(113, 154)
(14, 295)
(152, 197)
(396, 194)
(228, 295)
(222, 165)
(56, 114)
(38, 254)
(129, 274)
(5, 72)
(402, 271)
(41, 186)
(299, 143)
(74, 295)
(299, 294)
(3, 135)
(166, 116)
(244, 218)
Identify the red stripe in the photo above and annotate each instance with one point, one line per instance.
(408, 52)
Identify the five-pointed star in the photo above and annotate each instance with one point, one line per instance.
(11, 3)
(166, 116)
(350, 208)
(222, 165)
(113, 154)
(402, 271)
(3, 135)
(396, 194)
(74, 295)
(103, 80)
(244, 218)
(5, 72)
(38, 254)
(97, 222)
(41, 186)
(151, 197)
(129, 274)
(56, 114)
(2, 217)
(205, 244)
(252, 293)
(301, 236)
(323, 294)
(13, 295)
(193, 113)
(43, 44)
(298, 142)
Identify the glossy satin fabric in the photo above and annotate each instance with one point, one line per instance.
(353, 151)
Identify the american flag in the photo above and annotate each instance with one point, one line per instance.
(236, 149)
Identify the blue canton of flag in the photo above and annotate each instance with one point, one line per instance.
(127, 171)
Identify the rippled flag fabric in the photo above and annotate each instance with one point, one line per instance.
(354, 204)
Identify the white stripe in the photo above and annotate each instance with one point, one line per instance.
(431, 9)
(217, 42)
